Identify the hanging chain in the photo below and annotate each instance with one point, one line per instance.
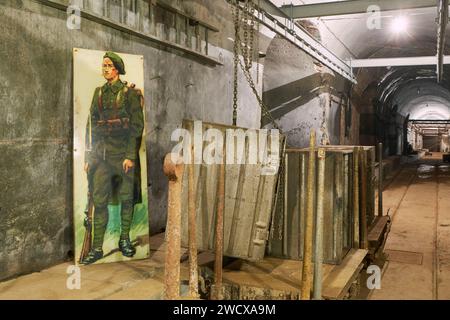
(251, 47)
(277, 217)
(247, 51)
(235, 13)
(245, 29)
(257, 45)
(249, 32)
(246, 65)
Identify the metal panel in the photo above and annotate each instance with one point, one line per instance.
(249, 197)
(335, 8)
(288, 224)
(369, 165)
(276, 20)
(337, 203)
(396, 62)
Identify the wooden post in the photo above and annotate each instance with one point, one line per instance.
(307, 252)
(356, 197)
(363, 195)
(173, 169)
(380, 179)
(318, 244)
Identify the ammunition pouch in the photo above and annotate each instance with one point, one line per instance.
(114, 126)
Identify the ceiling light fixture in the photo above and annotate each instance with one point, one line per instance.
(399, 25)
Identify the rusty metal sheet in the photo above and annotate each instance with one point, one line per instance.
(287, 242)
(249, 198)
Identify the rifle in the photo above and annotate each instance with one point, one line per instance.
(87, 242)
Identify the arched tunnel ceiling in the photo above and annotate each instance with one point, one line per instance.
(349, 38)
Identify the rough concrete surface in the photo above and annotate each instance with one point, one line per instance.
(36, 126)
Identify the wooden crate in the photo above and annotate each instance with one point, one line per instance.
(280, 279)
(249, 197)
(288, 224)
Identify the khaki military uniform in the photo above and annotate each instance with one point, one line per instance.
(113, 134)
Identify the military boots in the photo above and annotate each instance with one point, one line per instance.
(93, 256)
(127, 248)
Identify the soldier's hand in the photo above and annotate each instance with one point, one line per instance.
(127, 165)
(86, 167)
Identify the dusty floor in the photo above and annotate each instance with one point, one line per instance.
(418, 199)
(137, 280)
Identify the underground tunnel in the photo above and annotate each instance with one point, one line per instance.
(224, 150)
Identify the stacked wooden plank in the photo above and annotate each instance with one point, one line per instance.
(279, 279)
(249, 197)
(343, 228)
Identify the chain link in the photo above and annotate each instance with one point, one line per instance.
(235, 13)
(257, 45)
(246, 49)
(251, 47)
(245, 28)
(247, 61)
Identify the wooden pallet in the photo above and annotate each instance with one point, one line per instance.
(274, 278)
(378, 234)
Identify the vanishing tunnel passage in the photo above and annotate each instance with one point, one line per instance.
(224, 150)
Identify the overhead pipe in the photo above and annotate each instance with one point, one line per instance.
(337, 8)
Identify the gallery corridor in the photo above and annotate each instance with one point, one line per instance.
(418, 200)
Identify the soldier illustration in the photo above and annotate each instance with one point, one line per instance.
(113, 138)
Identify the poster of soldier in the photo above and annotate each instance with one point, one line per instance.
(110, 171)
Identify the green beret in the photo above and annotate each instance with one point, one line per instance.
(116, 60)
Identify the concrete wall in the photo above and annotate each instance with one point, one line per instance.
(302, 94)
(36, 126)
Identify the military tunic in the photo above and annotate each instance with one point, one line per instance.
(113, 134)
(111, 144)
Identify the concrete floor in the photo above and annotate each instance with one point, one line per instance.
(418, 245)
(137, 280)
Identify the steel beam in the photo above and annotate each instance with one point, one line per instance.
(442, 24)
(338, 8)
(396, 62)
(429, 121)
(276, 20)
